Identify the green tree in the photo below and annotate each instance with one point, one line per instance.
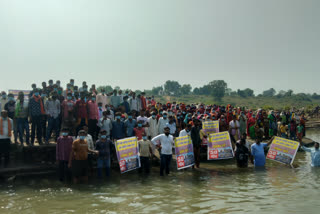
(185, 89)
(205, 90)
(196, 91)
(249, 92)
(172, 87)
(241, 93)
(218, 89)
(289, 93)
(269, 93)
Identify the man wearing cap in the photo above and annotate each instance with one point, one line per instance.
(165, 143)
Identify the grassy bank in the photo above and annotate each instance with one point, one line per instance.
(250, 102)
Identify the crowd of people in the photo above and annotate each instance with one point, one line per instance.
(85, 124)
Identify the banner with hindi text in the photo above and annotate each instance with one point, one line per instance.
(128, 154)
(283, 150)
(210, 127)
(219, 146)
(184, 152)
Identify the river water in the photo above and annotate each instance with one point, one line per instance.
(217, 187)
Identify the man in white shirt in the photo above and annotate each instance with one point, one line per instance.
(165, 143)
(134, 103)
(162, 122)
(172, 125)
(105, 123)
(6, 127)
(186, 131)
(153, 125)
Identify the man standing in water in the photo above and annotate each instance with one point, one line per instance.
(257, 151)
(78, 160)
(164, 142)
(315, 154)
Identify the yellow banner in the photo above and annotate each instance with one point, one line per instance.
(290, 144)
(127, 143)
(219, 137)
(182, 141)
(210, 125)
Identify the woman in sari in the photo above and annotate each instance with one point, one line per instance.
(243, 123)
(234, 127)
(250, 128)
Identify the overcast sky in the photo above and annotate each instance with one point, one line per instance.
(141, 44)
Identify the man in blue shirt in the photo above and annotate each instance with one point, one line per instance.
(257, 151)
(118, 128)
(130, 124)
(315, 154)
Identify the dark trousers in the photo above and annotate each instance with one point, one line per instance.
(196, 151)
(81, 124)
(93, 128)
(44, 119)
(145, 164)
(36, 124)
(64, 171)
(5, 151)
(23, 125)
(53, 125)
(165, 164)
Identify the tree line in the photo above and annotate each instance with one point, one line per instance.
(216, 88)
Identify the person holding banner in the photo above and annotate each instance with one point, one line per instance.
(257, 151)
(164, 142)
(315, 154)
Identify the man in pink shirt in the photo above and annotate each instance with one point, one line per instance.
(93, 117)
(68, 105)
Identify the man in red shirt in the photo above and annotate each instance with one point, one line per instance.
(82, 112)
(138, 131)
(143, 100)
(93, 115)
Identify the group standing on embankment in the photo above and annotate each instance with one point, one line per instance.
(86, 124)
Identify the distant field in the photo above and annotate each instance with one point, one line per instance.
(250, 102)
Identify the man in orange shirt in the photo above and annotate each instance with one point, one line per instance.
(78, 160)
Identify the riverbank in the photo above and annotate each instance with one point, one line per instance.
(40, 161)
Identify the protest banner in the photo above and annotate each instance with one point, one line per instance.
(210, 127)
(283, 150)
(184, 152)
(219, 146)
(16, 93)
(128, 154)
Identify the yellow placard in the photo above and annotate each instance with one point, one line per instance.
(127, 143)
